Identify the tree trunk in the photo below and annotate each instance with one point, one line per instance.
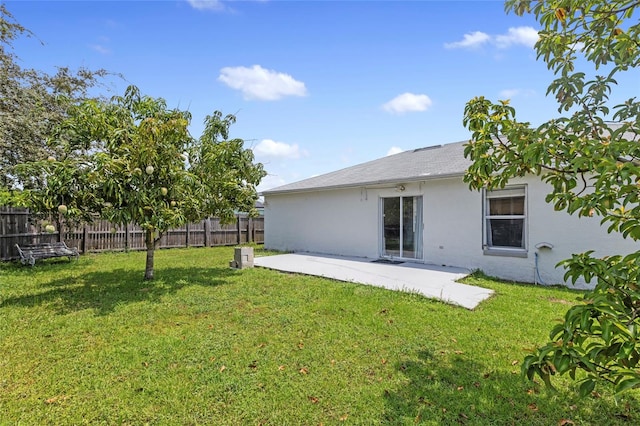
(59, 225)
(151, 247)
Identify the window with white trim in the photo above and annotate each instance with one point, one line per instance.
(505, 217)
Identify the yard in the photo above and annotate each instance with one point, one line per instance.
(90, 342)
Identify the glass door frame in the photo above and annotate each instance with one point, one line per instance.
(417, 225)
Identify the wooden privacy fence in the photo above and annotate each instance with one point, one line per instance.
(17, 226)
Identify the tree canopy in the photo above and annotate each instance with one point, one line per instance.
(132, 160)
(590, 157)
(32, 102)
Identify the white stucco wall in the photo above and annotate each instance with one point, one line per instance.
(341, 222)
(346, 222)
(463, 243)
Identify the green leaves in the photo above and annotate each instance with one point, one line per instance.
(50, 183)
(599, 335)
(627, 384)
(592, 167)
(587, 387)
(132, 160)
(32, 104)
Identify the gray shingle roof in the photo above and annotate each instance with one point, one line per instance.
(415, 165)
(409, 166)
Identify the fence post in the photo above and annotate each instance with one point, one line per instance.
(187, 236)
(126, 237)
(85, 236)
(239, 228)
(249, 230)
(207, 231)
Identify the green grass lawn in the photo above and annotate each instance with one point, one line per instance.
(90, 342)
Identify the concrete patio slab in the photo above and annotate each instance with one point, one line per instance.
(436, 282)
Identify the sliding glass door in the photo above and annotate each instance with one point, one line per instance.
(401, 227)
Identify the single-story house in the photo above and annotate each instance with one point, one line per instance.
(414, 206)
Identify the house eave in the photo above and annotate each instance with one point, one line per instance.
(378, 183)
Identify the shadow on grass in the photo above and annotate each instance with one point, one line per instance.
(453, 389)
(102, 291)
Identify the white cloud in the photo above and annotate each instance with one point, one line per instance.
(273, 149)
(578, 46)
(206, 4)
(100, 49)
(525, 36)
(474, 39)
(407, 102)
(260, 83)
(270, 181)
(394, 150)
(511, 93)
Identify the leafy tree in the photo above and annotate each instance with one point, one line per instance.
(32, 103)
(593, 169)
(134, 161)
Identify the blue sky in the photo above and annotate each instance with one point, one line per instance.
(316, 86)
